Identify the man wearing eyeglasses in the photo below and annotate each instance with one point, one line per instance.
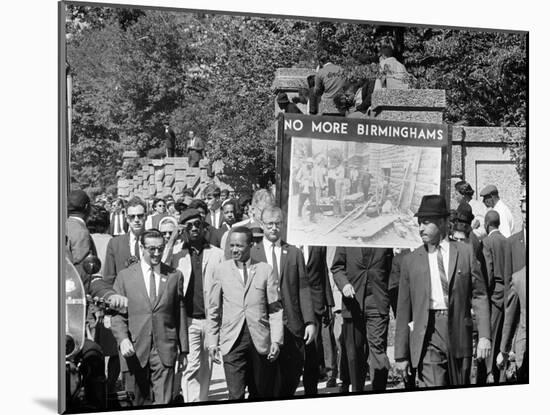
(125, 248)
(299, 319)
(153, 336)
(196, 262)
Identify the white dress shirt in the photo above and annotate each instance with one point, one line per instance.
(215, 217)
(268, 247)
(506, 219)
(240, 269)
(146, 270)
(437, 300)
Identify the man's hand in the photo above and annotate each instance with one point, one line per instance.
(403, 368)
(182, 362)
(348, 291)
(483, 348)
(310, 332)
(127, 348)
(214, 355)
(476, 224)
(273, 352)
(501, 360)
(118, 302)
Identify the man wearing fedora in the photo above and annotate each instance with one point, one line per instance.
(287, 106)
(491, 199)
(440, 283)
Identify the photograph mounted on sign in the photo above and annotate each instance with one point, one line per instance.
(358, 182)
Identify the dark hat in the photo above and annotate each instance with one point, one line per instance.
(487, 190)
(464, 213)
(78, 201)
(189, 214)
(282, 98)
(432, 205)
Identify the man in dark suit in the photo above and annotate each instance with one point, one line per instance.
(125, 248)
(298, 314)
(169, 141)
(245, 320)
(440, 283)
(321, 296)
(214, 216)
(515, 326)
(361, 274)
(118, 224)
(153, 336)
(78, 240)
(285, 105)
(495, 248)
(517, 244)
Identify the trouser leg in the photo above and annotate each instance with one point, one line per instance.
(377, 341)
(433, 368)
(353, 333)
(313, 356)
(162, 379)
(235, 366)
(291, 364)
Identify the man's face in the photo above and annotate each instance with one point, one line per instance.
(136, 219)
(166, 229)
(224, 196)
(271, 224)
(489, 201)
(229, 214)
(458, 197)
(160, 207)
(240, 248)
(153, 249)
(194, 228)
(191, 134)
(213, 201)
(117, 207)
(431, 230)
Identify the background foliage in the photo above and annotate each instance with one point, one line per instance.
(134, 70)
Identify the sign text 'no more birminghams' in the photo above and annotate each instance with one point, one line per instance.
(372, 130)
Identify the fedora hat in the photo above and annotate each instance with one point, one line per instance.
(432, 206)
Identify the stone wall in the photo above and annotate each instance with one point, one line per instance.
(163, 177)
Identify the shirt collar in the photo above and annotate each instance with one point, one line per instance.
(79, 219)
(147, 268)
(493, 231)
(240, 264)
(444, 244)
(269, 244)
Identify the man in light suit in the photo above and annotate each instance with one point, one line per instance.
(196, 261)
(517, 244)
(440, 283)
(299, 319)
(125, 247)
(153, 335)
(245, 320)
(118, 224)
(515, 326)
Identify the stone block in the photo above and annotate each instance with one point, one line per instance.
(412, 99)
(291, 79)
(169, 169)
(193, 171)
(489, 134)
(159, 175)
(159, 186)
(157, 162)
(169, 180)
(122, 183)
(181, 164)
(152, 190)
(145, 168)
(180, 176)
(151, 169)
(123, 192)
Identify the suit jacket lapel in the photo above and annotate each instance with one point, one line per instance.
(453, 255)
(184, 265)
(140, 283)
(251, 274)
(425, 271)
(282, 264)
(164, 276)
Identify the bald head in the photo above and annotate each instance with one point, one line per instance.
(492, 220)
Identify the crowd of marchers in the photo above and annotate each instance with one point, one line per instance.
(210, 281)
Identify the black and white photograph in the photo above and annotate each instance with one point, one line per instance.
(259, 207)
(360, 193)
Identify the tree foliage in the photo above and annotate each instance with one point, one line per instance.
(136, 70)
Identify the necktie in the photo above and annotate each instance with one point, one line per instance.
(274, 261)
(443, 276)
(245, 273)
(152, 287)
(136, 249)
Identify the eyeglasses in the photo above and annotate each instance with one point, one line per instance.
(167, 233)
(139, 216)
(273, 224)
(195, 224)
(161, 206)
(153, 249)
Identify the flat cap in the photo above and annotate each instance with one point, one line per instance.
(188, 214)
(487, 190)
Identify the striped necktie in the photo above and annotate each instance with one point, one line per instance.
(443, 276)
